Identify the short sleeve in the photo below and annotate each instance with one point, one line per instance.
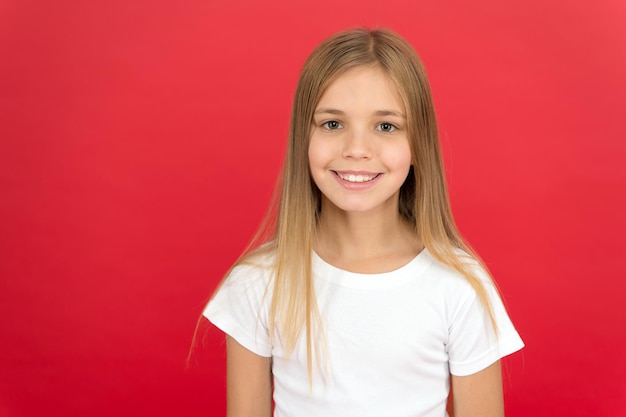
(240, 308)
(473, 344)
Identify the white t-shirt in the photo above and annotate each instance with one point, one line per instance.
(392, 338)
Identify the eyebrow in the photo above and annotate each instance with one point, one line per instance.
(390, 113)
(377, 113)
(329, 111)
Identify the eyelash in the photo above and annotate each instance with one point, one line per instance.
(392, 127)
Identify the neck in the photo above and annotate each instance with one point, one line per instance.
(369, 242)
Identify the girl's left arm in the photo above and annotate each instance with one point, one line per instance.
(479, 394)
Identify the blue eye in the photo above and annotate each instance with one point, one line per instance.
(331, 125)
(386, 127)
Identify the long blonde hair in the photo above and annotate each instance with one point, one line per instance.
(289, 228)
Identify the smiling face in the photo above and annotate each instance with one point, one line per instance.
(359, 152)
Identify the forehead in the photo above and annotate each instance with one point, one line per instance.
(363, 87)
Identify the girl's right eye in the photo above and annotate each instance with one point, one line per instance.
(331, 125)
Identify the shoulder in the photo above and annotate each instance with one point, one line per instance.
(240, 305)
(255, 269)
(441, 274)
(460, 293)
(244, 290)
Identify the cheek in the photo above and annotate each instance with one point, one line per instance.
(319, 154)
(316, 161)
(312, 153)
(399, 157)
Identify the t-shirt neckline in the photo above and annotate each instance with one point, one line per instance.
(406, 273)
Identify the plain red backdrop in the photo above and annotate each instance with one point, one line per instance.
(139, 144)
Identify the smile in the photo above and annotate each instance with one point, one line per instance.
(356, 178)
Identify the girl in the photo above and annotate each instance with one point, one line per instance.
(363, 300)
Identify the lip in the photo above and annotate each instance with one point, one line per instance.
(357, 185)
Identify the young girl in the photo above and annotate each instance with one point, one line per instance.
(364, 300)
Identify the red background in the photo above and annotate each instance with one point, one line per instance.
(139, 143)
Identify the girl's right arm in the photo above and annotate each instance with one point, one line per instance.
(249, 382)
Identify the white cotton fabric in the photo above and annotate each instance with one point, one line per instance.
(392, 338)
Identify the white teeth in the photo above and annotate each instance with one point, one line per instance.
(356, 178)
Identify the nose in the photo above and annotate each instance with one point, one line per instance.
(357, 145)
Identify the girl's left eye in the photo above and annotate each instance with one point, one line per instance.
(386, 127)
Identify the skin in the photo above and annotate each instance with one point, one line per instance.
(359, 129)
(479, 394)
(360, 126)
(249, 382)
